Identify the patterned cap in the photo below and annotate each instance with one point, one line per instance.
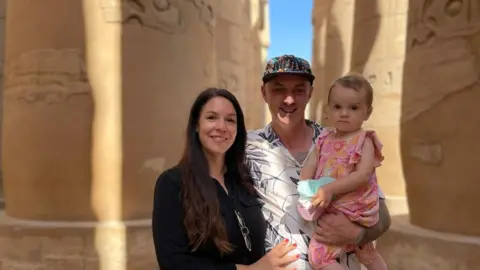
(287, 64)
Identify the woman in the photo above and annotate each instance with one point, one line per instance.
(206, 212)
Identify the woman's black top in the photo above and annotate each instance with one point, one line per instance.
(170, 237)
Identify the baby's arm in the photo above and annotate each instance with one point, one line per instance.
(310, 166)
(360, 176)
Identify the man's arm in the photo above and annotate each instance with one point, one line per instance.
(373, 233)
(336, 229)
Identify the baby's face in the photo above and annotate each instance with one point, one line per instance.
(347, 108)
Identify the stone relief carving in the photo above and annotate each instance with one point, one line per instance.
(443, 18)
(439, 60)
(206, 13)
(154, 14)
(227, 79)
(159, 15)
(427, 152)
(48, 76)
(232, 77)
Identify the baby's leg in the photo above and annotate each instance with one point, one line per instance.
(368, 255)
(324, 257)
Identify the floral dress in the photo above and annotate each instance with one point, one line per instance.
(337, 159)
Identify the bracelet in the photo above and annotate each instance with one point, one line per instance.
(360, 236)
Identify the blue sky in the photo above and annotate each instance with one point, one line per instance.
(291, 28)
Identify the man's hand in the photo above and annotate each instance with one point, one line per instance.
(336, 229)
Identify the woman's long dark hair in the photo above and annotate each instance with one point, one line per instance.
(202, 218)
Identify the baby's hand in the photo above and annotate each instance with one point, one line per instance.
(322, 198)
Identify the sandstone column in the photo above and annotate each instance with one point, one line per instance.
(378, 53)
(48, 111)
(258, 43)
(440, 115)
(332, 48)
(2, 49)
(168, 57)
(96, 101)
(366, 37)
(231, 33)
(439, 131)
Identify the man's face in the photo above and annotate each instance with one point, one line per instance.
(287, 97)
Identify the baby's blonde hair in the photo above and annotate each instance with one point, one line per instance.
(356, 82)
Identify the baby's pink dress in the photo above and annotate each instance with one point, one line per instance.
(338, 158)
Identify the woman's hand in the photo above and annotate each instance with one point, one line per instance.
(276, 258)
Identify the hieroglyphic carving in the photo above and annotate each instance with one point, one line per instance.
(426, 152)
(206, 13)
(439, 59)
(231, 76)
(442, 19)
(226, 77)
(47, 75)
(154, 14)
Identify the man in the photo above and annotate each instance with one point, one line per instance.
(275, 155)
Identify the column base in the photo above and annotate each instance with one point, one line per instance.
(32, 245)
(408, 247)
(397, 205)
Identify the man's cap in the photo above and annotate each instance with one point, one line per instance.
(287, 64)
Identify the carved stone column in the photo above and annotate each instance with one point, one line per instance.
(97, 95)
(48, 113)
(440, 115)
(231, 31)
(439, 133)
(2, 49)
(367, 37)
(168, 58)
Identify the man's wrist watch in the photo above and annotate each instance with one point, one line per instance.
(360, 236)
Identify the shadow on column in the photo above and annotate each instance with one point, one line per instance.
(2, 59)
(327, 56)
(258, 23)
(365, 30)
(329, 48)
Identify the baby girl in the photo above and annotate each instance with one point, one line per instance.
(340, 175)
